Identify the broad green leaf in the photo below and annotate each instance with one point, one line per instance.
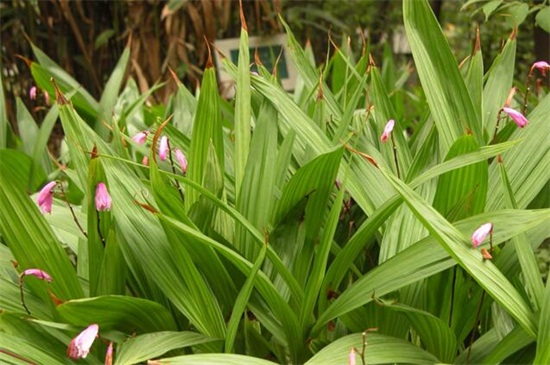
(527, 163)
(499, 82)
(150, 345)
(204, 359)
(543, 337)
(207, 131)
(379, 349)
(424, 259)
(447, 95)
(242, 109)
(542, 19)
(241, 302)
(118, 312)
(110, 94)
(455, 243)
(32, 241)
(41, 145)
(462, 192)
(511, 343)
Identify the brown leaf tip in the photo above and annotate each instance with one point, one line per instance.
(61, 100)
(209, 63)
(241, 14)
(477, 45)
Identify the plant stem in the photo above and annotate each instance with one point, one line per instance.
(23, 296)
(72, 212)
(394, 148)
(476, 324)
(174, 171)
(528, 83)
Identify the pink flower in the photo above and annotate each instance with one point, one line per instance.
(141, 137)
(481, 233)
(32, 93)
(102, 198)
(109, 354)
(145, 161)
(351, 358)
(182, 160)
(45, 197)
(516, 116)
(542, 66)
(42, 275)
(387, 130)
(163, 148)
(80, 345)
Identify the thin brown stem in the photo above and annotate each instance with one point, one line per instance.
(99, 229)
(174, 171)
(528, 84)
(72, 212)
(476, 324)
(394, 149)
(496, 127)
(23, 296)
(18, 357)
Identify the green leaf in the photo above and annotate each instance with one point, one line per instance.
(148, 346)
(379, 349)
(242, 110)
(447, 95)
(543, 338)
(499, 82)
(127, 314)
(542, 19)
(110, 94)
(207, 131)
(486, 274)
(4, 123)
(205, 359)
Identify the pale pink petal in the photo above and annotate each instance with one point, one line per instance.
(32, 93)
(387, 130)
(542, 66)
(81, 344)
(45, 197)
(163, 148)
(140, 137)
(516, 116)
(182, 160)
(40, 274)
(102, 198)
(109, 354)
(481, 233)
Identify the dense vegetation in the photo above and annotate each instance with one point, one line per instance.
(352, 220)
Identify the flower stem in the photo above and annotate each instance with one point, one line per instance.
(528, 84)
(174, 171)
(99, 229)
(394, 148)
(476, 324)
(23, 296)
(72, 211)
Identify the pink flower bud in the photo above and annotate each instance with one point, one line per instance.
(42, 275)
(351, 358)
(81, 344)
(481, 233)
(516, 116)
(32, 93)
(182, 160)
(46, 98)
(109, 354)
(163, 148)
(102, 198)
(141, 137)
(542, 66)
(387, 130)
(45, 197)
(145, 161)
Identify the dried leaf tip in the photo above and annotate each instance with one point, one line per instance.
(174, 76)
(477, 44)
(241, 14)
(61, 100)
(371, 61)
(514, 33)
(320, 91)
(209, 63)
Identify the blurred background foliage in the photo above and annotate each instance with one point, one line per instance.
(87, 37)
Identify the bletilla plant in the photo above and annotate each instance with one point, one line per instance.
(352, 220)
